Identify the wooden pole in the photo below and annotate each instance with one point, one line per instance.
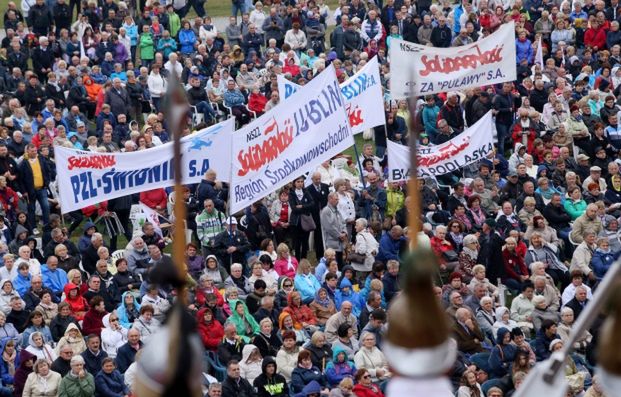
(414, 209)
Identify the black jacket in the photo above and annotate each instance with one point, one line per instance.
(441, 36)
(239, 388)
(40, 17)
(270, 386)
(307, 203)
(59, 324)
(61, 366)
(62, 16)
(556, 216)
(42, 59)
(92, 363)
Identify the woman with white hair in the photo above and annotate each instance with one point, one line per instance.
(542, 312)
(365, 249)
(468, 257)
(78, 382)
(371, 358)
(565, 327)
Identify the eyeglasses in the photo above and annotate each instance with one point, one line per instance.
(114, 320)
(366, 377)
(287, 285)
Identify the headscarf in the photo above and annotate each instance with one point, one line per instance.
(323, 302)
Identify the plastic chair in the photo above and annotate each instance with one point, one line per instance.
(116, 255)
(214, 362)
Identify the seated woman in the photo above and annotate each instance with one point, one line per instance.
(147, 324)
(602, 259)
(320, 350)
(128, 310)
(266, 340)
(206, 286)
(516, 271)
(36, 323)
(41, 349)
(216, 271)
(371, 358)
(548, 234)
(245, 324)
(364, 385)
(209, 329)
(93, 319)
(73, 338)
(237, 280)
(542, 312)
(305, 372)
(322, 306)
(444, 250)
(503, 320)
(79, 305)
(340, 367)
(302, 316)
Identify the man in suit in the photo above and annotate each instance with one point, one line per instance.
(319, 192)
(467, 332)
(579, 302)
(334, 228)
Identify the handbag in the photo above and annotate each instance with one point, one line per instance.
(450, 255)
(356, 257)
(307, 223)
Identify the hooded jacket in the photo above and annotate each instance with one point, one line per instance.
(250, 370)
(54, 279)
(270, 385)
(211, 334)
(77, 343)
(337, 370)
(8, 370)
(349, 296)
(78, 304)
(127, 316)
(21, 374)
(299, 314)
(111, 339)
(502, 355)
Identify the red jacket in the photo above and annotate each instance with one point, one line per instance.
(299, 314)
(516, 134)
(362, 391)
(154, 198)
(212, 333)
(9, 199)
(595, 38)
(93, 322)
(201, 296)
(78, 305)
(514, 265)
(256, 102)
(439, 247)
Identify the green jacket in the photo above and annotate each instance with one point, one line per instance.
(147, 47)
(241, 325)
(208, 226)
(71, 386)
(167, 46)
(174, 24)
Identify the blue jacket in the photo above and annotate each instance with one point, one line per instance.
(187, 38)
(389, 248)
(541, 345)
(523, 50)
(21, 284)
(301, 378)
(132, 33)
(502, 355)
(85, 240)
(337, 370)
(311, 388)
(350, 296)
(54, 279)
(430, 119)
(121, 311)
(110, 385)
(601, 262)
(306, 285)
(7, 379)
(45, 330)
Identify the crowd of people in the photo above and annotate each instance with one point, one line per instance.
(290, 297)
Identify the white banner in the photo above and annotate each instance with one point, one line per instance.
(86, 178)
(472, 145)
(289, 140)
(363, 96)
(419, 70)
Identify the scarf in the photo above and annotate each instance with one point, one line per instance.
(457, 237)
(479, 216)
(10, 361)
(323, 302)
(465, 220)
(472, 254)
